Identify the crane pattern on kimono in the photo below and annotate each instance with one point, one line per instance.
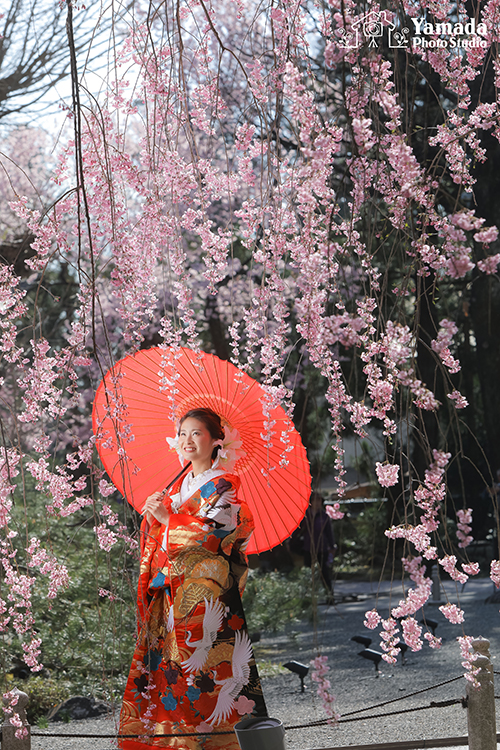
(212, 622)
(232, 686)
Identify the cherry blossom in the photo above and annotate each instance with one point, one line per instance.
(449, 564)
(434, 641)
(495, 572)
(464, 527)
(319, 675)
(472, 569)
(441, 345)
(372, 619)
(490, 264)
(459, 400)
(334, 512)
(486, 235)
(10, 701)
(105, 537)
(469, 656)
(411, 633)
(452, 613)
(390, 640)
(387, 475)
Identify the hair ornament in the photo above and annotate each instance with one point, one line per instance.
(232, 449)
(174, 446)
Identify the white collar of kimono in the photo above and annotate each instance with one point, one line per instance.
(191, 484)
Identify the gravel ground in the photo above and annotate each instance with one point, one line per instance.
(354, 679)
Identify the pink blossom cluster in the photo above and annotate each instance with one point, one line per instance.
(449, 563)
(441, 345)
(495, 572)
(319, 675)
(387, 474)
(12, 309)
(19, 612)
(459, 400)
(415, 569)
(411, 633)
(414, 600)
(472, 569)
(343, 328)
(9, 461)
(31, 652)
(433, 640)
(39, 557)
(147, 718)
(459, 136)
(106, 488)
(415, 597)
(390, 640)
(363, 134)
(428, 497)
(44, 232)
(105, 537)
(467, 220)
(10, 701)
(415, 534)
(490, 264)
(487, 235)
(105, 593)
(334, 512)
(372, 619)
(469, 656)
(452, 613)
(59, 486)
(464, 520)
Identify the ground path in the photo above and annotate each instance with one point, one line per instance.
(353, 678)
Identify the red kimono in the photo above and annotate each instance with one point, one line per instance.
(193, 670)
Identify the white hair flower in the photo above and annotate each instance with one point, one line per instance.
(232, 449)
(174, 446)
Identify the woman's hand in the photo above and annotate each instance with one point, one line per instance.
(154, 507)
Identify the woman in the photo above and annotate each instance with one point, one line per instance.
(193, 670)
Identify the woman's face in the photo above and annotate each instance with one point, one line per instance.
(195, 442)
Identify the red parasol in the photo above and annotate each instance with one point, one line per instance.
(137, 406)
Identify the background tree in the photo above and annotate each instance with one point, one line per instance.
(34, 55)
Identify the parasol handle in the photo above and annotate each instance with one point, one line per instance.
(164, 492)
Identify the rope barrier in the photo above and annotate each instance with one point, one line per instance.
(347, 718)
(324, 722)
(410, 744)
(287, 727)
(68, 735)
(404, 697)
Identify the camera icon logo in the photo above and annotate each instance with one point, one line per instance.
(370, 27)
(373, 29)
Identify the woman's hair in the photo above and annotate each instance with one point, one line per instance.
(212, 422)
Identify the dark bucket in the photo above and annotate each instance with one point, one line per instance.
(260, 734)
